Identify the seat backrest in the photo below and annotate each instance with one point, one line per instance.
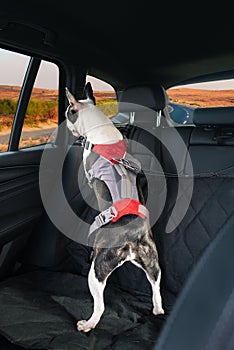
(48, 246)
(212, 141)
(203, 314)
(143, 104)
(206, 171)
(198, 254)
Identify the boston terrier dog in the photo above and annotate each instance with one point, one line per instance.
(121, 232)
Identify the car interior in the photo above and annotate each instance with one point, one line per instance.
(187, 178)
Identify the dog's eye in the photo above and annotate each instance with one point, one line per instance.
(72, 115)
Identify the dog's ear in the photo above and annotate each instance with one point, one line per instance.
(76, 106)
(88, 92)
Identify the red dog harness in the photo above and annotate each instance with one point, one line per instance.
(118, 170)
(118, 209)
(111, 151)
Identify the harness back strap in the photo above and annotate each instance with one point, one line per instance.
(109, 152)
(117, 210)
(129, 206)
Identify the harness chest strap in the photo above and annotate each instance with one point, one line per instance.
(115, 154)
(117, 210)
(108, 151)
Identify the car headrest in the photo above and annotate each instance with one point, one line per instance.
(141, 98)
(214, 116)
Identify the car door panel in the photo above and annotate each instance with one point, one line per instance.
(20, 201)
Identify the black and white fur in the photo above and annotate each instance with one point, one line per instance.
(130, 237)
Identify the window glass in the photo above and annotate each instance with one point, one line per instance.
(184, 99)
(105, 96)
(13, 67)
(41, 118)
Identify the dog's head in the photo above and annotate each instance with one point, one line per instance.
(72, 112)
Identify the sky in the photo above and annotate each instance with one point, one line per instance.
(216, 85)
(13, 67)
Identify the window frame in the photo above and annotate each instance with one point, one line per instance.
(203, 84)
(22, 105)
(26, 89)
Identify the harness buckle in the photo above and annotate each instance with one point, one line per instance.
(83, 142)
(127, 164)
(88, 145)
(106, 216)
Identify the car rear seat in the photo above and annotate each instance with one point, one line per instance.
(162, 151)
(210, 145)
(197, 164)
(199, 159)
(202, 314)
(145, 106)
(210, 149)
(49, 250)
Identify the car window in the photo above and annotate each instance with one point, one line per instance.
(184, 99)
(13, 67)
(41, 118)
(105, 96)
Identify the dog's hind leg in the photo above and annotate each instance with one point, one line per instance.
(97, 289)
(155, 285)
(104, 263)
(156, 298)
(148, 262)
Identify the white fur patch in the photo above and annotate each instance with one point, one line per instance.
(156, 295)
(97, 290)
(93, 124)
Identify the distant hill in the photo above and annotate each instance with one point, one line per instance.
(12, 92)
(202, 98)
(195, 97)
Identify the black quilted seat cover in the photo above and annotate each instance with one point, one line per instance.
(211, 205)
(40, 309)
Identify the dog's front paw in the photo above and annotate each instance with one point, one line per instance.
(84, 326)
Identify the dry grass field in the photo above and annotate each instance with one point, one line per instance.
(12, 92)
(202, 98)
(192, 97)
(105, 100)
(196, 97)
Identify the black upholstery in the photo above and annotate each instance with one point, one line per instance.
(202, 164)
(138, 98)
(211, 179)
(211, 207)
(214, 116)
(143, 105)
(203, 315)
